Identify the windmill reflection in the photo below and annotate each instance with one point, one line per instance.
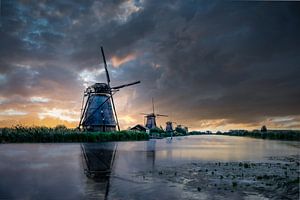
(98, 163)
(110, 167)
(150, 152)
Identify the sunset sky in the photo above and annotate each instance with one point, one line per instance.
(209, 65)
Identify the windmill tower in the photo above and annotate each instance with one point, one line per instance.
(98, 112)
(169, 126)
(151, 118)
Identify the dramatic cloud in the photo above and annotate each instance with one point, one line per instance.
(209, 65)
(116, 61)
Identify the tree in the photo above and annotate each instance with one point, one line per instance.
(180, 129)
(156, 130)
(263, 128)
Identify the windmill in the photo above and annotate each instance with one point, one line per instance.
(98, 112)
(169, 126)
(151, 118)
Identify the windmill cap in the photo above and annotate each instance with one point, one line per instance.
(99, 88)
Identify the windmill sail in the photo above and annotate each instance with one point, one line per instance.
(125, 85)
(105, 66)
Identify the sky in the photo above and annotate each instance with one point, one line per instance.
(209, 65)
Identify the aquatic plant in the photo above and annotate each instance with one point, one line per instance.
(234, 184)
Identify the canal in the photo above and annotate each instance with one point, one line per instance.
(155, 169)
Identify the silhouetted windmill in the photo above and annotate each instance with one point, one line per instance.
(151, 118)
(169, 126)
(99, 112)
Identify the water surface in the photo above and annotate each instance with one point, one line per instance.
(56, 171)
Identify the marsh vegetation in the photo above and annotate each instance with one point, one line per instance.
(20, 134)
(268, 134)
(274, 179)
(60, 133)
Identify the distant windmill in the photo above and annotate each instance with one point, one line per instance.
(98, 113)
(169, 126)
(151, 118)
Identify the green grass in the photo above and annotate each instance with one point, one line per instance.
(20, 134)
(270, 134)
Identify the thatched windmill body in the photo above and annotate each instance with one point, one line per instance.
(98, 112)
(151, 118)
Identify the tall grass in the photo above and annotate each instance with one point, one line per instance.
(270, 134)
(20, 134)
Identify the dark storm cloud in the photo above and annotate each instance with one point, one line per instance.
(237, 61)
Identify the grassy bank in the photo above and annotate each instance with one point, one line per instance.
(21, 134)
(270, 134)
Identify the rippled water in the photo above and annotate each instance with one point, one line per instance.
(56, 171)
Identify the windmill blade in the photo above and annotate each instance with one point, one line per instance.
(83, 112)
(82, 104)
(144, 114)
(105, 66)
(125, 85)
(153, 105)
(159, 115)
(113, 103)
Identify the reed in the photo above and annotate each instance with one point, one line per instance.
(21, 134)
(270, 134)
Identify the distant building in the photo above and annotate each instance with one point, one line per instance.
(141, 128)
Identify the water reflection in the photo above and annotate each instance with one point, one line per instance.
(99, 158)
(150, 152)
(98, 163)
(40, 171)
(109, 170)
(100, 168)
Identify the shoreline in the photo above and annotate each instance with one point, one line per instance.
(276, 178)
(146, 138)
(21, 134)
